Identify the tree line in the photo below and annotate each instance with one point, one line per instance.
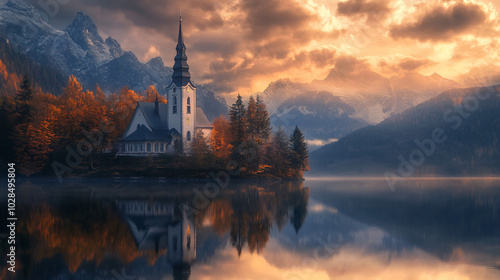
(41, 128)
(247, 142)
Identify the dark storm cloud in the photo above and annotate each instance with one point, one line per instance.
(372, 10)
(441, 23)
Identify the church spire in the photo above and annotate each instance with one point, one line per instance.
(181, 75)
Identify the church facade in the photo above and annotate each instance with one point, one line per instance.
(157, 128)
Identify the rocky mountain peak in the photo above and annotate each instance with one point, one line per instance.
(114, 47)
(83, 31)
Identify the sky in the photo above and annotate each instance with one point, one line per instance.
(242, 46)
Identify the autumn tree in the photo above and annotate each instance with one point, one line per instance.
(151, 95)
(299, 159)
(220, 138)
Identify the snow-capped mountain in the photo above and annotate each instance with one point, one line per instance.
(320, 116)
(369, 97)
(79, 50)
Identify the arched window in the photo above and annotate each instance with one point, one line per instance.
(188, 105)
(174, 107)
(161, 148)
(156, 147)
(149, 147)
(188, 136)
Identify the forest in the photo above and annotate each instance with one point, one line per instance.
(77, 134)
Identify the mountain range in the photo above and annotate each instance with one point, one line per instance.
(346, 101)
(455, 133)
(79, 50)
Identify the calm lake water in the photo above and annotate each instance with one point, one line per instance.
(316, 229)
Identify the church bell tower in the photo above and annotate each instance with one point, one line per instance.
(181, 95)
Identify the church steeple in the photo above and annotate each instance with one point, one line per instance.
(181, 75)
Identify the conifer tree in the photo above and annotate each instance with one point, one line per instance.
(299, 159)
(238, 128)
(279, 153)
(24, 97)
(263, 121)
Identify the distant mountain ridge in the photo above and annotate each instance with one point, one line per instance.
(79, 50)
(455, 133)
(371, 97)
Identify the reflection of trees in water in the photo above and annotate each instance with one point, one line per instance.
(83, 233)
(250, 213)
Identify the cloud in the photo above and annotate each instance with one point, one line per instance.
(442, 23)
(412, 64)
(374, 11)
(152, 52)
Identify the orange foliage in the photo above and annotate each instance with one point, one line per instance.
(56, 235)
(152, 93)
(10, 81)
(220, 138)
(79, 111)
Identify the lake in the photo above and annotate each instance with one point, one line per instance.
(315, 229)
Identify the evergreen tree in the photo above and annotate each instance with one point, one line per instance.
(24, 97)
(299, 159)
(263, 121)
(279, 153)
(251, 118)
(238, 128)
(253, 136)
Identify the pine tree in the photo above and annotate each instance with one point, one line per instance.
(252, 139)
(251, 118)
(263, 121)
(279, 154)
(238, 129)
(24, 97)
(299, 159)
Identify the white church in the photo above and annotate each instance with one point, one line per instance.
(157, 128)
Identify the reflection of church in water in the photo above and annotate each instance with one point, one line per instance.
(163, 226)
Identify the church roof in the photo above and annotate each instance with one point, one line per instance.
(156, 121)
(144, 134)
(201, 119)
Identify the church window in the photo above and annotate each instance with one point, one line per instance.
(189, 105)
(149, 147)
(156, 147)
(188, 136)
(161, 148)
(175, 243)
(174, 109)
